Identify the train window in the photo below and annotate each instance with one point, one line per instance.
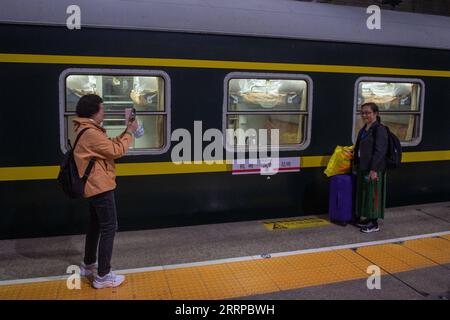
(146, 91)
(400, 102)
(269, 101)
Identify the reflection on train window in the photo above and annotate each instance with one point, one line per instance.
(269, 103)
(400, 107)
(120, 91)
(114, 124)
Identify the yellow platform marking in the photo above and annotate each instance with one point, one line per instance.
(220, 282)
(394, 258)
(85, 293)
(151, 286)
(41, 291)
(186, 283)
(251, 277)
(295, 223)
(10, 292)
(435, 249)
(446, 237)
(158, 168)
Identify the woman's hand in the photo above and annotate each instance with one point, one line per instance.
(132, 126)
(373, 175)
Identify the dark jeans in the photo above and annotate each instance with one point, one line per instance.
(102, 226)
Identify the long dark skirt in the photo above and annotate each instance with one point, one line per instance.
(370, 195)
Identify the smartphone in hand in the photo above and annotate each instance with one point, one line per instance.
(130, 114)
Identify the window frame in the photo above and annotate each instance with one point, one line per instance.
(63, 113)
(275, 76)
(421, 100)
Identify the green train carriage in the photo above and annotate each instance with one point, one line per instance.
(175, 76)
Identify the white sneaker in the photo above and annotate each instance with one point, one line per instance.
(88, 270)
(111, 280)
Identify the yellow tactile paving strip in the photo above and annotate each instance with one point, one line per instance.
(245, 278)
(435, 249)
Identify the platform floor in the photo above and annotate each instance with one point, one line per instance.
(245, 260)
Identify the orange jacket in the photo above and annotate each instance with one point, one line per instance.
(95, 143)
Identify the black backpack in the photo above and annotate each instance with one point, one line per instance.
(394, 151)
(68, 179)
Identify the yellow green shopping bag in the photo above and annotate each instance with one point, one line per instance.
(340, 162)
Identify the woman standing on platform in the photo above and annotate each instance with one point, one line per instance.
(370, 163)
(100, 186)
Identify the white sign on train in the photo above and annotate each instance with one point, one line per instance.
(267, 166)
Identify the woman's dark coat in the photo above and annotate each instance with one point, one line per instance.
(370, 151)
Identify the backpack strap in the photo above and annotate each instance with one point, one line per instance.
(88, 169)
(91, 162)
(78, 137)
(374, 135)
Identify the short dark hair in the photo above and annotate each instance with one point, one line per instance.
(88, 105)
(374, 107)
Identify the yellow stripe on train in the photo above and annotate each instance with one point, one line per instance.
(213, 64)
(158, 168)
